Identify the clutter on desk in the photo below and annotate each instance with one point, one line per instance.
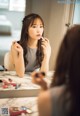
(8, 83)
(2, 68)
(14, 111)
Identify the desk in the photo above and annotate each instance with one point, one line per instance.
(27, 88)
(25, 95)
(29, 102)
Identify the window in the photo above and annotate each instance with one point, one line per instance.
(17, 5)
(13, 5)
(4, 4)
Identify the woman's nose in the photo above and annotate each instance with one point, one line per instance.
(38, 29)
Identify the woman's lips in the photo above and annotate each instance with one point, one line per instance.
(39, 36)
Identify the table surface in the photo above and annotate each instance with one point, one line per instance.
(29, 102)
(25, 95)
(26, 88)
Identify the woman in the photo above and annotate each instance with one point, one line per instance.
(33, 50)
(63, 97)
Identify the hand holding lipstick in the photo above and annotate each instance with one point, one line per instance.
(46, 47)
(38, 78)
(47, 52)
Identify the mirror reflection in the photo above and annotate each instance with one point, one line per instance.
(57, 17)
(11, 14)
(54, 13)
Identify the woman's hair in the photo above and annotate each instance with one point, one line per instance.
(67, 70)
(27, 21)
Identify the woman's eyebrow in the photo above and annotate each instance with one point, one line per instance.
(36, 24)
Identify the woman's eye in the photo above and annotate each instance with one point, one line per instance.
(41, 26)
(34, 26)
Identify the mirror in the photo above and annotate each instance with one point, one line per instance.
(54, 13)
(11, 15)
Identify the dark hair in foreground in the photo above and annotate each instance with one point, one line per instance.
(67, 70)
(27, 21)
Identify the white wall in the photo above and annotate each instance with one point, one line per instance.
(59, 16)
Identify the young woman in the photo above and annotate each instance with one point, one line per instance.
(63, 98)
(32, 51)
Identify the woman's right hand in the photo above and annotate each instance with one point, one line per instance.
(38, 78)
(16, 49)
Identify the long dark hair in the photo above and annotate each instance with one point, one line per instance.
(67, 70)
(27, 21)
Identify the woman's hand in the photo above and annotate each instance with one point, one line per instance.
(47, 52)
(18, 58)
(46, 47)
(38, 78)
(16, 49)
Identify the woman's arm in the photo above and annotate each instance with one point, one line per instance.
(14, 60)
(44, 104)
(47, 52)
(17, 54)
(19, 65)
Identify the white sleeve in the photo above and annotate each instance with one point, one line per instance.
(7, 62)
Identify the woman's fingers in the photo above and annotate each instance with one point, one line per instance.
(38, 74)
(37, 77)
(45, 42)
(46, 47)
(16, 48)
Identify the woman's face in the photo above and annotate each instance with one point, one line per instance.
(35, 30)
